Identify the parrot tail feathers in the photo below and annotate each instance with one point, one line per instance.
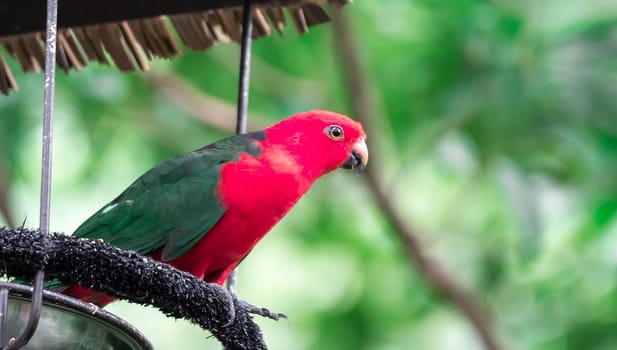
(88, 295)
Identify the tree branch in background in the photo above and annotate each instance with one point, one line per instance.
(430, 269)
(208, 109)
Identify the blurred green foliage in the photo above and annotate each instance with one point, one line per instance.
(499, 130)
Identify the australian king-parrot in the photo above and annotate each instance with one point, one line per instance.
(203, 211)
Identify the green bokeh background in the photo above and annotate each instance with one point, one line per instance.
(498, 130)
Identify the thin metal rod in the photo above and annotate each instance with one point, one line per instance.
(245, 66)
(48, 111)
(243, 93)
(4, 303)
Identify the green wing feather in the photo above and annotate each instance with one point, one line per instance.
(173, 205)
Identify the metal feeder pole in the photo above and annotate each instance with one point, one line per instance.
(4, 300)
(48, 110)
(243, 93)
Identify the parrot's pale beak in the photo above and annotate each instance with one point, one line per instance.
(358, 159)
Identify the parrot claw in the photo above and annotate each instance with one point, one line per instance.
(249, 308)
(261, 311)
(230, 301)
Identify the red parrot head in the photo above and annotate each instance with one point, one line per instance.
(322, 141)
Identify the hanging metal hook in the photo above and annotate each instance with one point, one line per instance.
(48, 110)
(243, 92)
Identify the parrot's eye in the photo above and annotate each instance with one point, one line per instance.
(335, 132)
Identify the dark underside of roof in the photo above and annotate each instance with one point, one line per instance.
(130, 33)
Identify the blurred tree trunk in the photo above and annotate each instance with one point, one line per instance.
(361, 103)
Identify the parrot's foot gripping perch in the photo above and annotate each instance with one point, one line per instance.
(261, 311)
(235, 303)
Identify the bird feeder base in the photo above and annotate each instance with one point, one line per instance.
(68, 323)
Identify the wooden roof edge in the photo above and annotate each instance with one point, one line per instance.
(130, 44)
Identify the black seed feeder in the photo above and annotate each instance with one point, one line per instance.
(127, 33)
